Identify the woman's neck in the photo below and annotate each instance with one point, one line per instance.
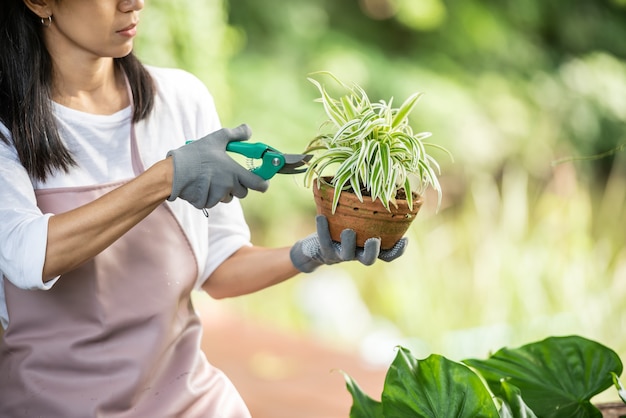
(98, 88)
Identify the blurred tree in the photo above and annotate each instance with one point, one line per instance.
(190, 34)
(555, 60)
(510, 87)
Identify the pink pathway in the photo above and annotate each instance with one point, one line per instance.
(281, 375)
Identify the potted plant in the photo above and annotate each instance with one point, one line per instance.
(368, 149)
(552, 378)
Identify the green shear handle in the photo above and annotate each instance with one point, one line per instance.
(272, 160)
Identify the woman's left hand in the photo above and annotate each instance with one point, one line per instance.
(318, 249)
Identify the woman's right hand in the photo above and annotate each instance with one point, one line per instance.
(204, 174)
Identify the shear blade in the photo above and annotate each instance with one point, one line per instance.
(293, 161)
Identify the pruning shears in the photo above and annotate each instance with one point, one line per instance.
(273, 161)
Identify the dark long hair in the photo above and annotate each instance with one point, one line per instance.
(26, 86)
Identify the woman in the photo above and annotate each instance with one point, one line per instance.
(101, 236)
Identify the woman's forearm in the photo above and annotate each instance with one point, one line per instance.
(80, 234)
(248, 270)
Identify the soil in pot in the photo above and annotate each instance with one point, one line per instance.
(368, 219)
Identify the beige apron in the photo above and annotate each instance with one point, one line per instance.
(118, 336)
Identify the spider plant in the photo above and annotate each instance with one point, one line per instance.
(371, 147)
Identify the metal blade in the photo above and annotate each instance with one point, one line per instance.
(293, 161)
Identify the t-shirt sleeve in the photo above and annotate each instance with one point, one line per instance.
(23, 229)
(227, 227)
(228, 232)
(186, 110)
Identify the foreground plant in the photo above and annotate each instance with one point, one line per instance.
(553, 378)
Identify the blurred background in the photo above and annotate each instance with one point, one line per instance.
(529, 97)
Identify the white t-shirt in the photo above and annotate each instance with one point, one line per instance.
(184, 109)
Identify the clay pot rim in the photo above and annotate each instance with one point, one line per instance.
(418, 199)
(369, 219)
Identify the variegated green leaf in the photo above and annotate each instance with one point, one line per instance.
(387, 149)
(406, 109)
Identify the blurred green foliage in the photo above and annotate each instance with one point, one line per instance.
(523, 247)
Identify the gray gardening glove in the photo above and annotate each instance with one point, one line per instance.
(205, 175)
(318, 248)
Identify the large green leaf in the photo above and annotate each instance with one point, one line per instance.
(557, 377)
(362, 405)
(434, 387)
(513, 406)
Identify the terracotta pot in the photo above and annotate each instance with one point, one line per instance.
(368, 219)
